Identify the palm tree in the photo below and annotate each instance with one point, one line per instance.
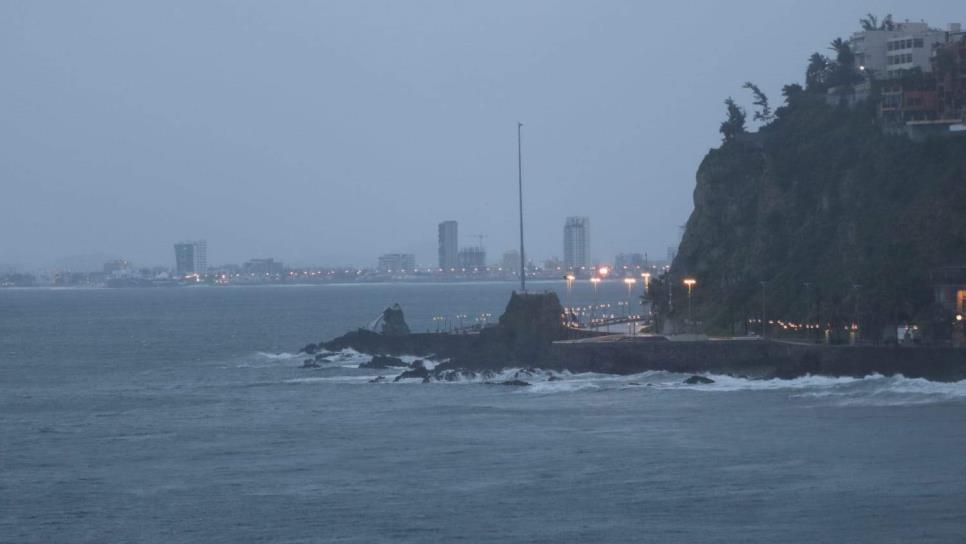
(869, 22)
(817, 72)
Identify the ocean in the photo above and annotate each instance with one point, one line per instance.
(182, 415)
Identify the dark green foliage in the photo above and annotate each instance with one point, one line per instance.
(842, 71)
(817, 73)
(735, 123)
(818, 203)
(764, 114)
(871, 22)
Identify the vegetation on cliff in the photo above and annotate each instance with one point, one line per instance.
(840, 220)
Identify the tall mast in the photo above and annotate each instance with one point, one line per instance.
(523, 267)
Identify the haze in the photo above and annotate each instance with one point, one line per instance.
(328, 133)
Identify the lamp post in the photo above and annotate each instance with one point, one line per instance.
(630, 285)
(763, 330)
(595, 280)
(690, 283)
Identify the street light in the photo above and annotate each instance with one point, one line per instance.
(603, 271)
(690, 282)
(630, 285)
(646, 278)
(595, 280)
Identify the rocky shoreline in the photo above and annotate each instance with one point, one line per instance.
(529, 336)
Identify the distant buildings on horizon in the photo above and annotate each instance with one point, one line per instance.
(576, 244)
(191, 258)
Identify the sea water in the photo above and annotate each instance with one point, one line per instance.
(182, 415)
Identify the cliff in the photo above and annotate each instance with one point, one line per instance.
(840, 219)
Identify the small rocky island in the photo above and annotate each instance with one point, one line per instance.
(523, 337)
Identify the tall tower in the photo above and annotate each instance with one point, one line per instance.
(201, 257)
(191, 258)
(448, 245)
(577, 243)
(184, 258)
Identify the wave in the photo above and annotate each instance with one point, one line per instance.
(278, 356)
(872, 390)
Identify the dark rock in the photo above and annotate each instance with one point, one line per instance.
(378, 379)
(553, 378)
(310, 363)
(393, 321)
(383, 361)
(635, 383)
(420, 373)
(418, 363)
(695, 380)
(310, 349)
(323, 356)
(518, 383)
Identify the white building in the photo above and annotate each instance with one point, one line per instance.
(191, 258)
(907, 46)
(397, 262)
(577, 243)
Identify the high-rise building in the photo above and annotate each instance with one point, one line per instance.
(448, 245)
(397, 262)
(511, 261)
(626, 263)
(191, 258)
(184, 259)
(472, 259)
(577, 243)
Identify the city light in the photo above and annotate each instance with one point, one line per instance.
(603, 271)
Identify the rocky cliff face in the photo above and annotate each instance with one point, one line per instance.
(838, 219)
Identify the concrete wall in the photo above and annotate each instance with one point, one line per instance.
(759, 359)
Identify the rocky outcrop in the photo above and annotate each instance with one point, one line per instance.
(383, 361)
(698, 380)
(523, 336)
(838, 219)
(393, 321)
(417, 373)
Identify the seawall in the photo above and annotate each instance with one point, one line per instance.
(755, 358)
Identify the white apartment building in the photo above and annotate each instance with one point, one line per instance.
(907, 46)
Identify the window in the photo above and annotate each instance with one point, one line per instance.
(918, 43)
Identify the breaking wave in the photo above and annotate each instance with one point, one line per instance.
(873, 390)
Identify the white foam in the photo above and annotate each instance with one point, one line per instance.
(279, 356)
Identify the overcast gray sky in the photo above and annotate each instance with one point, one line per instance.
(331, 132)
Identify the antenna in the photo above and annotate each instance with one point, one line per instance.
(523, 260)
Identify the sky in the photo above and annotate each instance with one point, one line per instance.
(327, 133)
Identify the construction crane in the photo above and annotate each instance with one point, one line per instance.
(479, 237)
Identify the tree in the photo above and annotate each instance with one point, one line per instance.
(842, 72)
(869, 22)
(843, 52)
(817, 73)
(735, 123)
(792, 92)
(764, 114)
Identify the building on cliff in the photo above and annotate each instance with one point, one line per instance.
(902, 47)
(929, 102)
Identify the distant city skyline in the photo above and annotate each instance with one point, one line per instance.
(398, 124)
